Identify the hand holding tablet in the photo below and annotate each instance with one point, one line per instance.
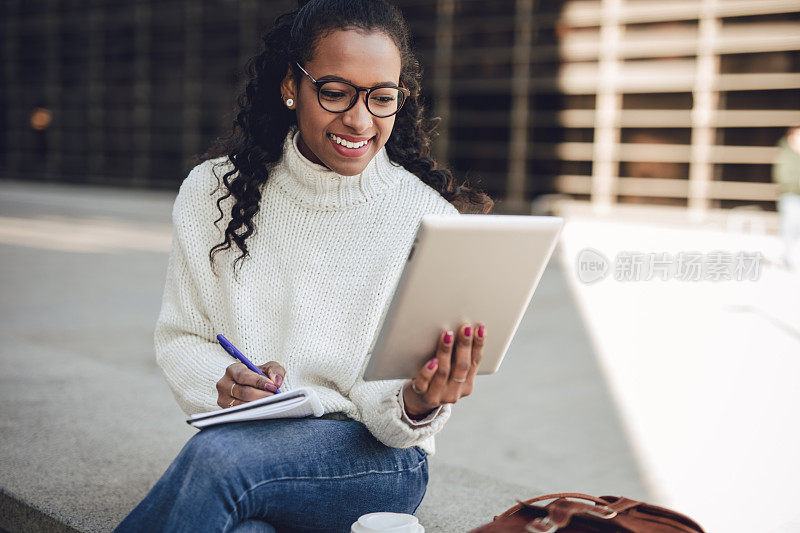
(450, 375)
(442, 288)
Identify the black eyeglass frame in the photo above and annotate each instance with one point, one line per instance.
(319, 84)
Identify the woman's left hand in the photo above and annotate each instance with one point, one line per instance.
(449, 375)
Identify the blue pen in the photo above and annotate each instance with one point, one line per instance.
(231, 349)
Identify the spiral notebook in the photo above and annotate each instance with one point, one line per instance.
(298, 403)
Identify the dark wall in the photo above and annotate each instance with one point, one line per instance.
(131, 89)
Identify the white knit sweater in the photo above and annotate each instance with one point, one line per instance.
(324, 262)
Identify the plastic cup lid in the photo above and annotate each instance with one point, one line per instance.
(387, 522)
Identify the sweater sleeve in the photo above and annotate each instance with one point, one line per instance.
(381, 413)
(186, 350)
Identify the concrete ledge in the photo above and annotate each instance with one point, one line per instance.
(17, 515)
(459, 499)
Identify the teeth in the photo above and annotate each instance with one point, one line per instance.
(345, 143)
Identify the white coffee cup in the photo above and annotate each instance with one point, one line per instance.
(387, 522)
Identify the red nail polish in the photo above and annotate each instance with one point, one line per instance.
(481, 330)
(468, 331)
(432, 364)
(448, 338)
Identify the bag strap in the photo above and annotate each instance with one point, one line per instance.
(576, 495)
(621, 504)
(560, 514)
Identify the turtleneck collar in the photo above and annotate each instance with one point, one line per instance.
(318, 187)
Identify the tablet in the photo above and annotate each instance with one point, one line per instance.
(462, 269)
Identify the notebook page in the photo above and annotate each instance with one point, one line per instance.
(275, 399)
(294, 408)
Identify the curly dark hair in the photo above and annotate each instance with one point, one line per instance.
(255, 143)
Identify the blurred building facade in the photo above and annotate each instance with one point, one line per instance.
(677, 102)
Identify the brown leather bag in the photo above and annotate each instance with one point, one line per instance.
(604, 515)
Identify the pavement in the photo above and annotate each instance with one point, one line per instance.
(82, 272)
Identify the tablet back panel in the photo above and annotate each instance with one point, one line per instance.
(462, 269)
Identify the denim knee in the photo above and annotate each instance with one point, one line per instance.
(210, 455)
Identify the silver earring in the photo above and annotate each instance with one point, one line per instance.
(289, 102)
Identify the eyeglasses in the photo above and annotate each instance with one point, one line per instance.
(337, 96)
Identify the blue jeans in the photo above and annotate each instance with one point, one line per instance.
(281, 475)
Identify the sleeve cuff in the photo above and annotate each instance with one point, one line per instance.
(404, 416)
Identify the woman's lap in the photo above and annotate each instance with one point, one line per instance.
(301, 475)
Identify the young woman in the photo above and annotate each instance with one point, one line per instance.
(325, 177)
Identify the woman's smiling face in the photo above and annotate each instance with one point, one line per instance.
(363, 59)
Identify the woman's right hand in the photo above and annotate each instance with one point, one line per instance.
(241, 385)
